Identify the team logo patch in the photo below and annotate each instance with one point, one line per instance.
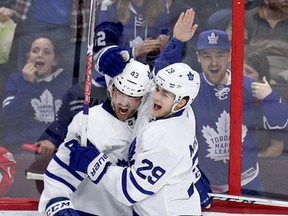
(46, 108)
(213, 39)
(218, 140)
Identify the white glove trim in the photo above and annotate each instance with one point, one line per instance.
(58, 206)
(98, 165)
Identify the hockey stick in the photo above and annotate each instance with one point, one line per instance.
(34, 176)
(248, 200)
(87, 84)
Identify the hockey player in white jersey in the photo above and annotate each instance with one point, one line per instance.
(109, 128)
(159, 179)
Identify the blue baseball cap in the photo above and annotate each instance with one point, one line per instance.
(213, 39)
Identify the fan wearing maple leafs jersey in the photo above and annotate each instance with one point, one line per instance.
(33, 96)
(212, 107)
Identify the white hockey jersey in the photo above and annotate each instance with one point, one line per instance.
(111, 136)
(159, 180)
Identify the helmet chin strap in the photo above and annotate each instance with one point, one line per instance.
(173, 110)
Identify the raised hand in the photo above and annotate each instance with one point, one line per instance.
(184, 29)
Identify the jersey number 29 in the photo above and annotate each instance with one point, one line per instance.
(155, 172)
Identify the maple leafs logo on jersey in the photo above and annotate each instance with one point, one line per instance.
(218, 141)
(46, 108)
(122, 163)
(132, 151)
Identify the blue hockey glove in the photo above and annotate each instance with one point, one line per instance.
(113, 61)
(60, 206)
(203, 188)
(89, 161)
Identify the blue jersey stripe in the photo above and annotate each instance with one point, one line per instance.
(57, 178)
(124, 187)
(66, 167)
(133, 180)
(136, 185)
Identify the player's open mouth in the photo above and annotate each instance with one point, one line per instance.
(156, 107)
(123, 111)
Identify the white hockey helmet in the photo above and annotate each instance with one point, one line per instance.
(181, 80)
(134, 81)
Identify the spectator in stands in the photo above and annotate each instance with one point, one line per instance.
(271, 143)
(221, 18)
(212, 107)
(146, 26)
(6, 12)
(66, 21)
(7, 171)
(266, 29)
(33, 96)
(256, 66)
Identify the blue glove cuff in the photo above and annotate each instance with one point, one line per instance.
(58, 204)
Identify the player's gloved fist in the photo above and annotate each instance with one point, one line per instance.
(82, 156)
(89, 161)
(203, 188)
(113, 61)
(60, 206)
